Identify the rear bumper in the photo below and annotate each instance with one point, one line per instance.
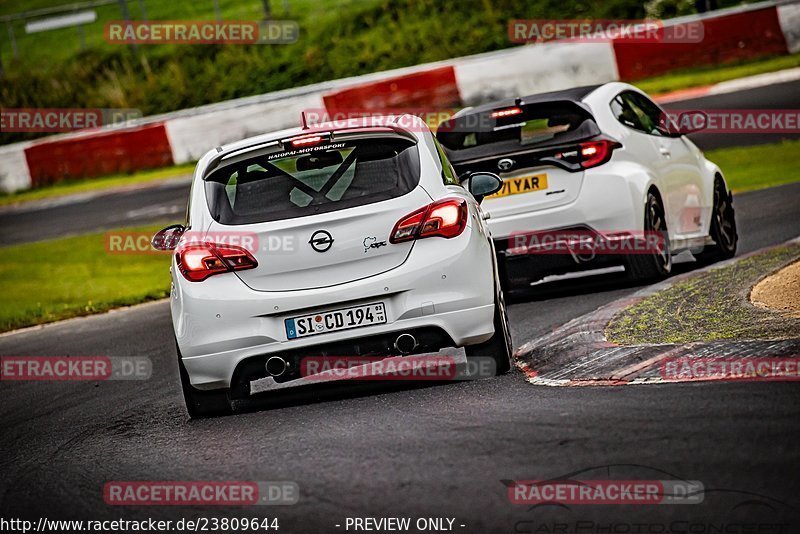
(221, 322)
(519, 269)
(217, 370)
(608, 202)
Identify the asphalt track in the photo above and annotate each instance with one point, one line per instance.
(167, 202)
(440, 450)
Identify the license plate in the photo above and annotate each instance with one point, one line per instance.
(344, 319)
(522, 184)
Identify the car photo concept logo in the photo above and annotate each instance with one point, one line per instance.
(321, 241)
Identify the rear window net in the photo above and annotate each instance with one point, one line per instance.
(312, 180)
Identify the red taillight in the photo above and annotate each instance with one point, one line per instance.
(199, 261)
(444, 218)
(307, 141)
(594, 153)
(591, 153)
(506, 112)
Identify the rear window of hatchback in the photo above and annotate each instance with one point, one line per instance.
(313, 180)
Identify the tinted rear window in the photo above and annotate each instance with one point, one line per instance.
(537, 125)
(313, 180)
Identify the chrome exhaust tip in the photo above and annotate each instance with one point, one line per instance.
(405, 343)
(276, 366)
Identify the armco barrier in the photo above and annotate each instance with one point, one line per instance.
(435, 88)
(725, 38)
(98, 154)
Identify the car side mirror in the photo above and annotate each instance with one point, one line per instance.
(691, 121)
(482, 184)
(168, 238)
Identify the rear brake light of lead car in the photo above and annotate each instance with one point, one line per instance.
(508, 112)
(306, 140)
(444, 218)
(590, 153)
(199, 261)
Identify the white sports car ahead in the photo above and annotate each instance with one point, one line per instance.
(342, 240)
(591, 175)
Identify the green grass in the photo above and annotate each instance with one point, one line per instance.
(53, 280)
(709, 75)
(96, 184)
(712, 306)
(45, 49)
(760, 166)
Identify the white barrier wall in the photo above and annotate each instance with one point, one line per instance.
(192, 136)
(789, 18)
(532, 69)
(14, 173)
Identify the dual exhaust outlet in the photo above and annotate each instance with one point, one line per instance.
(277, 366)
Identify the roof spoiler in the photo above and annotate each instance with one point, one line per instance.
(332, 135)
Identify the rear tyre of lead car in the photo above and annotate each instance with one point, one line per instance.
(723, 227)
(653, 265)
(201, 403)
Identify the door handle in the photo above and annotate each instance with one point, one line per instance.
(665, 151)
(485, 215)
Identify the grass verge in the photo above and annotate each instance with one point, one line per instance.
(52, 280)
(759, 166)
(712, 306)
(84, 185)
(709, 75)
(746, 168)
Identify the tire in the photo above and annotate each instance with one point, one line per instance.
(498, 347)
(505, 284)
(658, 265)
(723, 228)
(201, 403)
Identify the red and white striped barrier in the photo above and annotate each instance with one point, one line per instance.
(184, 136)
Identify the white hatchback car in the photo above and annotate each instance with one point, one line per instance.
(347, 239)
(603, 164)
